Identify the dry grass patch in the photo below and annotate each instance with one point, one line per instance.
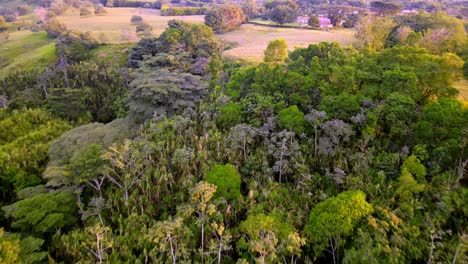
(252, 40)
(109, 27)
(462, 86)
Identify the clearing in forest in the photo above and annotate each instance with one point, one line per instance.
(115, 26)
(252, 40)
(249, 40)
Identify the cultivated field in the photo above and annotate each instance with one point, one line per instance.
(252, 40)
(111, 27)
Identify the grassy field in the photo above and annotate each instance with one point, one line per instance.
(462, 87)
(116, 53)
(271, 23)
(252, 40)
(26, 50)
(110, 27)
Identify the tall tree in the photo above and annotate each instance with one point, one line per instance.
(276, 51)
(332, 220)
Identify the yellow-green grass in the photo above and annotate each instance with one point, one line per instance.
(110, 26)
(462, 86)
(252, 40)
(25, 50)
(114, 53)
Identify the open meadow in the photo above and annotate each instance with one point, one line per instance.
(249, 41)
(26, 50)
(115, 26)
(252, 40)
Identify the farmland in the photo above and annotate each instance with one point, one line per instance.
(249, 41)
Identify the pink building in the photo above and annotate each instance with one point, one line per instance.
(302, 20)
(325, 22)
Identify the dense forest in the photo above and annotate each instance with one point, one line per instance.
(324, 154)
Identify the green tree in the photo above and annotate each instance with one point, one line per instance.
(398, 113)
(385, 8)
(227, 180)
(282, 12)
(87, 166)
(170, 240)
(225, 18)
(43, 213)
(162, 92)
(292, 118)
(333, 220)
(230, 115)
(372, 31)
(28, 131)
(264, 235)
(125, 167)
(314, 21)
(54, 28)
(9, 248)
(343, 106)
(250, 9)
(337, 13)
(201, 204)
(276, 52)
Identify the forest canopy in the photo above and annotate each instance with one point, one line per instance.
(321, 154)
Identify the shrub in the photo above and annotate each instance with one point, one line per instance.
(98, 9)
(10, 17)
(85, 11)
(230, 115)
(314, 21)
(292, 118)
(54, 28)
(50, 15)
(136, 19)
(35, 28)
(282, 12)
(182, 11)
(144, 28)
(24, 10)
(227, 180)
(161, 3)
(225, 18)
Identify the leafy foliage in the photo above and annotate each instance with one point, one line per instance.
(225, 18)
(330, 153)
(227, 181)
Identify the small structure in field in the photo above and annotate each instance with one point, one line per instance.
(303, 21)
(325, 22)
